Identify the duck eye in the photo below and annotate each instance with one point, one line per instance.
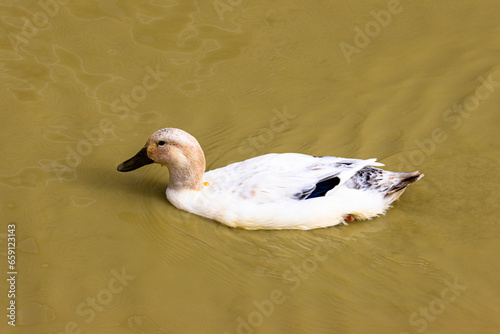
(161, 143)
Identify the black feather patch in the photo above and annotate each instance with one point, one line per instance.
(320, 189)
(323, 187)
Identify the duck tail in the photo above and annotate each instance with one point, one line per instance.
(399, 183)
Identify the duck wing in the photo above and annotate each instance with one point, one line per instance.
(286, 176)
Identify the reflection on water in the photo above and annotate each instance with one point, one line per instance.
(413, 84)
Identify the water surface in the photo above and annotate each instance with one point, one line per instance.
(414, 84)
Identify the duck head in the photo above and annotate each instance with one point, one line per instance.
(175, 149)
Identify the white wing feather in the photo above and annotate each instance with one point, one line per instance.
(277, 177)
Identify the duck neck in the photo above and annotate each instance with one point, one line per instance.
(188, 175)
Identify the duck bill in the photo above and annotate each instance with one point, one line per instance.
(137, 161)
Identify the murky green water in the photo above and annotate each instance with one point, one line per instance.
(415, 84)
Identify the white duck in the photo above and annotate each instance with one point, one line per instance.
(272, 191)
